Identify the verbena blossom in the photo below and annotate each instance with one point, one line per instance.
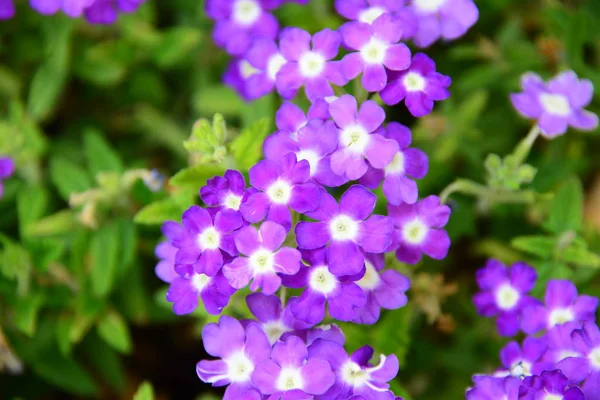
(557, 104)
(263, 54)
(184, 292)
(226, 192)
(504, 293)
(418, 229)
(561, 350)
(165, 269)
(419, 86)
(562, 304)
(358, 139)
(494, 388)
(95, 11)
(399, 175)
(549, 385)
(290, 118)
(262, 259)
(366, 11)
(377, 51)
(348, 228)
(7, 169)
(521, 361)
(237, 74)
(442, 19)
(585, 366)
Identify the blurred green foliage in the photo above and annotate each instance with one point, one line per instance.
(89, 111)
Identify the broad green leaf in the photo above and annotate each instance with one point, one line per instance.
(56, 224)
(176, 45)
(113, 329)
(101, 157)
(247, 146)
(68, 177)
(578, 254)
(32, 203)
(144, 392)
(158, 212)
(196, 176)
(64, 325)
(540, 246)
(15, 263)
(566, 210)
(64, 373)
(104, 253)
(87, 312)
(128, 237)
(26, 313)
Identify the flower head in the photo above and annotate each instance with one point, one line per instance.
(519, 361)
(237, 74)
(7, 9)
(586, 365)
(95, 11)
(492, 388)
(214, 291)
(264, 56)
(366, 11)
(7, 169)
(562, 353)
(226, 192)
(549, 385)
(165, 269)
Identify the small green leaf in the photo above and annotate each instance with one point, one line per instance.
(56, 224)
(104, 252)
(247, 147)
(26, 313)
(144, 392)
(195, 176)
(68, 177)
(32, 203)
(566, 210)
(540, 246)
(113, 329)
(101, 157)
(176, 45)
(577, 253)
(158, 212)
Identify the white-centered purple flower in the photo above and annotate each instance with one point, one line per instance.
(521, 361)
(263, 55)
(95, 11)
(549, 385)
(7, 169)
(330, 332)
(561, 352)
(214, 291)
(239, 351)
(399, 175)
(321, 287)
(586, 366)
(355, 376)
(442, 19)
(226, 192)
(557, 104)
(419, 86)
(418, 229)
(562, 305)
(261, 259)
(366, 11)
(309, 63)
(7, 9)
(378, 49)
(504, 293)
(165, 269)
(290, 118)
(237, 74)
(348, 228)
(384, 289)
(314, 142)
(494, 388)
(274, 320)
(237, 22)
(283, 184)
(358, 140)
(292, 373)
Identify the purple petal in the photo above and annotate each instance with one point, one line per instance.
(223, 338)
(289, 80)
(344, 111)
(290, 117)
(272, 235)
(371, 115)
(374, 77)
(352, 65)
(312, 235)
(560, 293)
(195, 219)
(381, 151)
(290, 353)
(397, 57)
(343, 306)
(293, 43)
(387, 28)
(228, 220)
(376, 234)
(310, 308)
(358, 202)
(264, 308)
(317, 376)
(345, 258)
(238, 273)
(287, 261)
(391, 293)
(255, 208)
(436, 244)
(356, 34)
(327, 43)
(247, 240)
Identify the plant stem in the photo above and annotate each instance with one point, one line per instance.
(492, 195)
(522, 150)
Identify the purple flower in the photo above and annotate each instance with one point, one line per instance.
(326, 332)
(238, 22)
(7, 169)
(314, 143)
(184, 291)
(561, 351)
(96, 11)
(262, 262)
(366, 11)
(292, 373)
(226, 192)
(165, 269)
(562, 304)
(347, 228)
(290, 118)
(203, 238)
(263, 55)
(377, 49)
(358, 139)
(504, 293)
(237, 74)
(587, 365)
(493, 388)
(311, 67)
(398, 177)
(7, 9)
(384, 289)
(283, 184)
(240, 352)
(273, 319)
(446, 19)
(549, 385)
(419, 86)
(556, 104)
(354, 374)
(418, 229)
(342, 296)
(519, 361)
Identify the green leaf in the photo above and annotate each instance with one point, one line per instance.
(165, 210)
(566, 210)
(105, 361)
(113, 329)
(195, 176)
(15, 263)
(68, 177)
(64, 325)
(176, 45)
(577, 253)
(56, 224)
(26, 313)
(144, 392)
(218, 99)
(101, 157)
(247, 146)
(32, 203)
(540, 246)
(104, 252)
(64, 373)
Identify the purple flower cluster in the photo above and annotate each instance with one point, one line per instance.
(95, 11)
(562, 361)
(7, 169)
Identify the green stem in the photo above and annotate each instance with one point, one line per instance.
(360, 93)
(522, 150)
(492, 195)
(283, 295)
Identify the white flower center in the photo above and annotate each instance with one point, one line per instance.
(343, 228)
(507, 297)
(429, 5)
(289, 379)
(370, 281)
(274, 330)
(561, 316)
(355, 138)
(414, 82)
(414, 232)
(312, 157)
(246, 12)
(209, 239)
(261, 262)
(239, 367)
(353, 374)
(199, 281)
(553, 397)
(396, 166)
(280, 192)
(232, 201)
(566, 354)
(322, 281)
(370, 14)
(274, 65)
(594, 357)
(374, 52)
(520, 369)
(247, 70)
(555, 104)
(311, 64)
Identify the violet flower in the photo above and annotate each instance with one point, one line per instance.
(366, 11)
(358, 139)
(165, 269)
(349, 228)
(95, 11)
(556, 104)
(418, 229)
(419, 86)
(237, 74)
(263, 55)
(184, 292)
(7, 169)
(330, 332)
(7, 9)
(494, 388)
(378, 50)
(226, 192)
(549, 385)
(561, 352)
(586, 366)
(519, 361)
(290, 118)
(262, 261)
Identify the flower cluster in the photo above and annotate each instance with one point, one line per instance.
(562, 361)
(95, 11)
(7, 168)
